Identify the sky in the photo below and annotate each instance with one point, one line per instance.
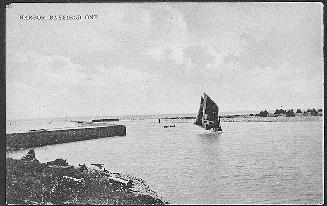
(159, 58)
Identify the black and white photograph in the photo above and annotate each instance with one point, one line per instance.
(164, 103)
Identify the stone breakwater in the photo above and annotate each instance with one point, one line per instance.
(39, 138)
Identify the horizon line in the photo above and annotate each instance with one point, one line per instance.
(117, 115)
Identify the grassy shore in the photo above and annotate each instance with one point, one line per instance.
(32, 182)
(251, 118)
(248, 118)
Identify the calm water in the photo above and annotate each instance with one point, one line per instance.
(249, 163)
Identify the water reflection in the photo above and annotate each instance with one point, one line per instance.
(211, 148)
(210, 138)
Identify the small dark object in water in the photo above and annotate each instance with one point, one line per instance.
(35, 130)
(105, 120)
(167, 126)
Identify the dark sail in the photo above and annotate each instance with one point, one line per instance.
(208, 117)
(211, 111)
(198, 120)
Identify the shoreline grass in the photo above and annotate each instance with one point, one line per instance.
(30, 182)
(248, 118)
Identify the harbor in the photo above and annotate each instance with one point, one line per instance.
(156, 103)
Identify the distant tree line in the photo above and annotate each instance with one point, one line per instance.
(312, 112)
(263, 114)
(290, 112)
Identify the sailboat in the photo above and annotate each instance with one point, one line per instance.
(208, 117)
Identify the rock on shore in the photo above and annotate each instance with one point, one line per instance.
(30, 182)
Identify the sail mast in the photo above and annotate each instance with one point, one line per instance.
(199, 117)
(204, 116)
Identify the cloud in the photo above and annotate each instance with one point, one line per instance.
(167, 25)
(199, 55)
(126, 75)
(40, 85)
(46, 71)
(169, 34)
(163, 54)
(55, 85)
(170, 52)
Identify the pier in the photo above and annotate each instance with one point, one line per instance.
(39, 138)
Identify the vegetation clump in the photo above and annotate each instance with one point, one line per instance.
(312, 112)
(290, 113)
(263, 114)
(30, 182)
